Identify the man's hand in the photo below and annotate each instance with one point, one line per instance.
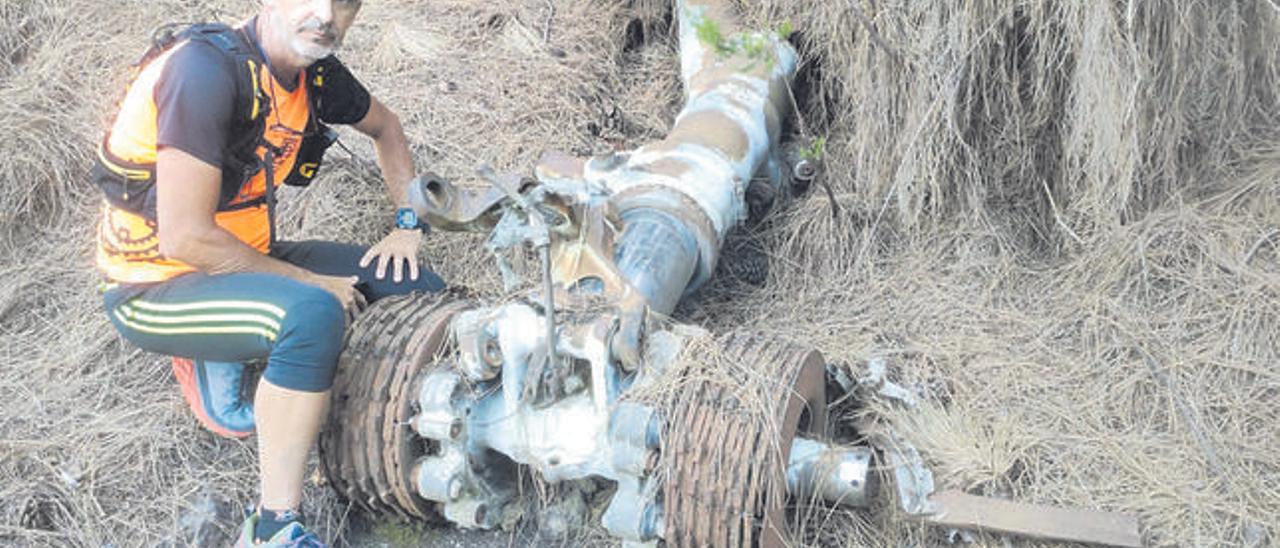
(344, 288)
(400, 246)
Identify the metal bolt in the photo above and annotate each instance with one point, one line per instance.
(652, 522)
(653, 431)
(804, 171)
(492, 353)
(455, 488)
(573, 384)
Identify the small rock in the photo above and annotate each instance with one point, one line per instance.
(1255, 535)
(70, 474)
(958, 536)
(563, 517)
(200, 523)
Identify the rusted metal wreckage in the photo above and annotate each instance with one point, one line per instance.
(445, 402)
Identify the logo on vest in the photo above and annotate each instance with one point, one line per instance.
(308, 169)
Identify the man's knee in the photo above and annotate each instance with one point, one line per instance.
(305, 356)
(427, 282)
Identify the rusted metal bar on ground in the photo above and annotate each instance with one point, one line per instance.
(957, 509)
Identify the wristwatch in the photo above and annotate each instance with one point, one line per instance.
(407, 219)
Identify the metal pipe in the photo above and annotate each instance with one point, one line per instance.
(470, 514)
(657, 255)
(633, 517)
(838, 475)
(736, 101)
(439, 478)
(548, 300)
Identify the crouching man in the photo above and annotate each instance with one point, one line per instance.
(214, 120)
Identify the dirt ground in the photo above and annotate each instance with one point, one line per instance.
(1059, 222)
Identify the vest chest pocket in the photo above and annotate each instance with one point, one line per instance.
(311, 155)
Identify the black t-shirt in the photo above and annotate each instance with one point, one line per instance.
(195, 100)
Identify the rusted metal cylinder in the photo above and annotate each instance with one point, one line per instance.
(471, 514)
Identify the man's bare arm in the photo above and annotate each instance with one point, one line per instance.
(392, 147)
(186, 199)
(187, 193)
(399, 248)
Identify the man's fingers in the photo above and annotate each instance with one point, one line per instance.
(357, 298)
(368, 256)
(355, 301)
(382, 267)
(413, 269)
(398, 269)
(349, 307)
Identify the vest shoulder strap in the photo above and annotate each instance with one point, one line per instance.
(246, 62)
(252, 106)
(243, 56)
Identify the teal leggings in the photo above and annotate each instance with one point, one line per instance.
(297, 327)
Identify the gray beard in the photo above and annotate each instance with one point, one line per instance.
(310, 51)
(298, 45)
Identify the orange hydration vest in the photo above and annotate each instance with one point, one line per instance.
(270, 129)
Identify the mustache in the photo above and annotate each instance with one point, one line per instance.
(315, 24)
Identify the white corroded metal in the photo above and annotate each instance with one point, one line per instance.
(437, 418)
(730, 122)
(677, 199)
(440, 477)
(728, 130)
(837, 475)
(564, 440)
(481, 356)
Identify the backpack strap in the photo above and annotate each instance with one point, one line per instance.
(131, 186)
(252, 107)
(318, 137)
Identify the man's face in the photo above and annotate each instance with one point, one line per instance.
(312, 28)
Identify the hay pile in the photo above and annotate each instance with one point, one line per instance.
(1057, 219)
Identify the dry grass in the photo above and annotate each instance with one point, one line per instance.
(1059, 220)
(1039, 375)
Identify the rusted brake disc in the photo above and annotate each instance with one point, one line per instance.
(728, 440)
(368, 449)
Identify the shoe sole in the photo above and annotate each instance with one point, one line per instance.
(185, 371)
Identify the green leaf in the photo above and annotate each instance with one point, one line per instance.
(709, 34)
(785, 30)
(815, 149)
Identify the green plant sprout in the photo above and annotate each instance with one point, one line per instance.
(815, 149)
(754, 46)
